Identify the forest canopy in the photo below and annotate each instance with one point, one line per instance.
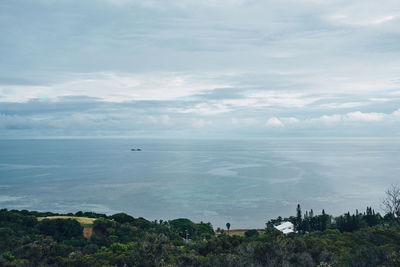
(30, 238)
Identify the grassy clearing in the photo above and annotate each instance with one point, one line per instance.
(84, 221)
(239, 232)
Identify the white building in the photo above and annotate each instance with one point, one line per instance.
(285, 227)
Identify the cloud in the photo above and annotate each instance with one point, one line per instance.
(359, 116)
(384, 19)
(211, 108)
(329, 118)
(275, 122)
(153, 67)
(112, 120)
(353, 116)
(396, 113)
(356, 116)
(368, 21)
(367, 118)
(366, 13)
(113, 87)
(14, 122)
(284, 99)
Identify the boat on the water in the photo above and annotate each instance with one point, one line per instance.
(136, 149)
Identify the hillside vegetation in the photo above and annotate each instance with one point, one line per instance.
(29, 238)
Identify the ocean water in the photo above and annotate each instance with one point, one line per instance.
(245, 183)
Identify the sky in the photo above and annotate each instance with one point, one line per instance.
(199, 69)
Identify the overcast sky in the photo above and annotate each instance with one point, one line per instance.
(201, 68)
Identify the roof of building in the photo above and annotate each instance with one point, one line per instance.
(285, 227)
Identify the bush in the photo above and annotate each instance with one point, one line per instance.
(60, 229)
(251, 233)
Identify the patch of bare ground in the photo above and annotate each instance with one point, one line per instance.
(87, 232)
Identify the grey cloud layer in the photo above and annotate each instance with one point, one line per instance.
(155, 68)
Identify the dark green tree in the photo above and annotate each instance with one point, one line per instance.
(228, 226)
(61, 229)
(122, 218)
(298, 218)
(251, 233)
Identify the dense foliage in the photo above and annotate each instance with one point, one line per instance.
(360, 239)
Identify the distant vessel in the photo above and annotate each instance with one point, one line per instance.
(136, 149)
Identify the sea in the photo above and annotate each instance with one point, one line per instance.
(243, 182)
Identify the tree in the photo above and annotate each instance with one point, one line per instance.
(182, 225)
(391, 203)
(251, 233)
(298, 217)
(228, 226)
(122, 218)
(61, 229)
(205, 230)
(324, 219)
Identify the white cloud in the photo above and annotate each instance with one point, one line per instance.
(359, 116)
(211, 108)
(337, 105)
(329, 118)
(112, 87)
(250, 101)
(275, 122)
(366, 13)
(384, 19)
(353, 117)
(243, 102)
(396, 113)
(363, 21)
(282, 99)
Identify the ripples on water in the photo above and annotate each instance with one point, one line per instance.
(243, 182)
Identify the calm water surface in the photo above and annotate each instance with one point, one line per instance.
(241, 182)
